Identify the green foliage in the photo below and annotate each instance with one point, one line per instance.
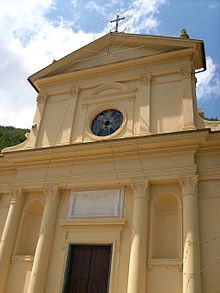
(11, 136)
(212, 119)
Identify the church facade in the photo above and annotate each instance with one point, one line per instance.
(117, 187)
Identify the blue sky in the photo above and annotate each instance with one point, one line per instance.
(34, 33)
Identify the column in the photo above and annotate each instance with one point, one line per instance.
(145, 95)
(9, 235)
(42, 253)
(138, 253)
(187, 98)
(191, 254)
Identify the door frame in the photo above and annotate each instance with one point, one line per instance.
(102, 231)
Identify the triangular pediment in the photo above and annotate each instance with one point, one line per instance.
(120, 47)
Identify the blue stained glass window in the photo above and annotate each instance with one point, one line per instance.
(107, 122)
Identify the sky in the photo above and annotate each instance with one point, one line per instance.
(35, 32)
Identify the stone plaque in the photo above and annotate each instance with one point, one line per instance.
(95, 204)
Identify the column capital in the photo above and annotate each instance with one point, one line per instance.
(188, 184)
(145, 79)
(52, 194)
(41, 98)
(16, 194)
(140, 188)
(185, 72)
(74, 91)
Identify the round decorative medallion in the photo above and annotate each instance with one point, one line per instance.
(107, 122)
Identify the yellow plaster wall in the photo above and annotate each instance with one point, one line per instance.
(166, 105)
(150, 98)
(19, 277)
(164, 279)
(52, 120)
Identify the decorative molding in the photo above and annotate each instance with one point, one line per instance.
(178, 263)
(188, 184)
(112, 85)
(145, 79)
(22, 258)
(74, 91)
(140, 188)
(116, 95)
(111, 222)
(84, 106)
(16, 195)
(185, 72)
(41, 98)
(52, 194)
(110, 98)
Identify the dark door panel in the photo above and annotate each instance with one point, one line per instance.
(94, 286)
(100, 266)
(87, 269)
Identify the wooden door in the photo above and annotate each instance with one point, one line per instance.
(88, 268)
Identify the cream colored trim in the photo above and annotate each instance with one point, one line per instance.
(22, 258)
(165, 263)
(120, 223)
(154, 144)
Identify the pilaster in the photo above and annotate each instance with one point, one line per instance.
(138, 253)
(186, 74)
(68, 124)
(42, 253)
(9, 235)
(191, 255)
(145, 100)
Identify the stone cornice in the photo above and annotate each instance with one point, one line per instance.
(115, 66)
(187, 141)
(133, 40)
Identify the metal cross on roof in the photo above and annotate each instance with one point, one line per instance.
(117, 21)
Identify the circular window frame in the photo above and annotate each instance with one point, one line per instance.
(98, 111)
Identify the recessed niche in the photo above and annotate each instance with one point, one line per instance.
(30, 228)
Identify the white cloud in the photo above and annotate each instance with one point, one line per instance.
(91, 5)
(208, 82)
(29, 40)
(213, 5)
(142, 15)
(74, 3)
